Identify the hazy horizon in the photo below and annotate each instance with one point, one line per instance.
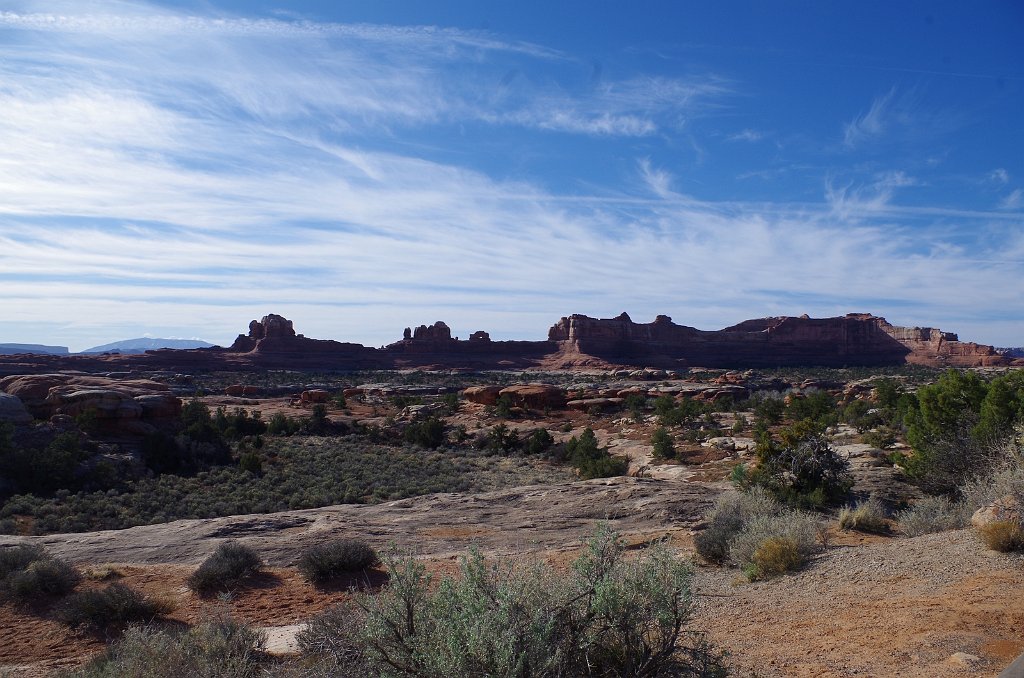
(180, 168)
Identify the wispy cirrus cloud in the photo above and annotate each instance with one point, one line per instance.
(209, 169)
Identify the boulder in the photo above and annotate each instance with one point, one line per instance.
(234, 390)
(1004, 509)
(482, 395)
(535, 396)
(13, 410)
(589, 404)
(316, 395)
(157, 406)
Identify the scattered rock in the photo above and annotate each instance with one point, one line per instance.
(1004, 509)
(12, 409)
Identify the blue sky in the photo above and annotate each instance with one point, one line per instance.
(177, 169)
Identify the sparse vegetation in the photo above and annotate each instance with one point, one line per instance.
(727, 519)
(664, 447)
(771, 544)
(931, 514)
(28, 573)
(325, 562)
(605, 616)
(218, 649)
(591, 460)
(802, 470)
(866, 516)
(225, 569)
(1003, 535)
(304, 472)
(110, 609)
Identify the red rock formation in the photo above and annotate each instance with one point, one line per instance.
(854, 339)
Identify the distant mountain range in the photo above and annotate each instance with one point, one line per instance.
(1014, 352)
(143, 344)
(9, 349)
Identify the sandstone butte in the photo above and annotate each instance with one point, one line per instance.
(856, 339)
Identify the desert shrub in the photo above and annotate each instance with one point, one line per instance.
(866, 516)
(605, 616)
(777, 535)
(818, 406)
(14, 558)
(727, 519)
(774, 556)
(883, 438)
(636, 404)
(110, 609)
(501, 440)
(324, 562)
(305, 473)
(450, 401)
(45, 577)
(334, 636)
(664, 448)
(281, 424)
(768, 407)
(226, 568)
(956, 426)
(804, 471)
(251, 462)
(429, 433)
(539, 441)
(219, 649)
(503, 407)
(593, 461)
(1004, 479)
(931, 514)
(28, 572)
(1003, 535)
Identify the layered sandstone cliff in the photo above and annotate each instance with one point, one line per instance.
(853, 339)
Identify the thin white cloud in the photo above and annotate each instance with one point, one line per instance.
(999, 176)
(1013, 201)
(872, 123)
(241, 171)
(750, 135)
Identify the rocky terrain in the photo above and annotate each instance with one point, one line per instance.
(856, 339)
(867, 605)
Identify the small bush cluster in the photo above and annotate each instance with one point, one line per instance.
(758, 534)
(220, 649)
(664, 447)
(225, 569)
(605, 616)
(325, 562)
(28, 572)
(110, 609)
(593, 461)
(866, 516)
(931, 514)
(802, 470)
(1003, 536)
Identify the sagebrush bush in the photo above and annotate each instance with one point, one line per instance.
(774, 556)
(866, 516)
(110, 609)
(335, 637)
(606, 616)
(727, 519)
(28, 572)
(225, 569)
(220, 649)
(932, 514)
(1003, 535)
(800, 529)
(324, 562)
